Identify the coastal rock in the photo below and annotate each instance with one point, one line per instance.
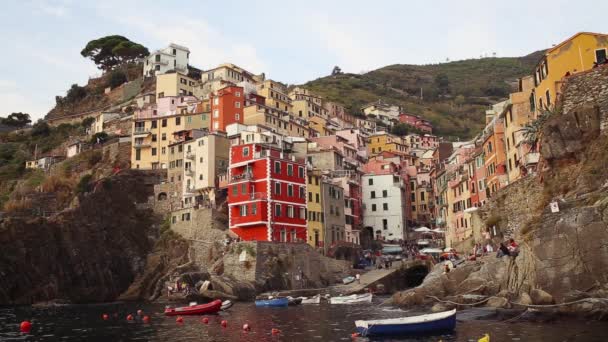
(498, 302)
(540, 297)
(524, 299)
(440, 307)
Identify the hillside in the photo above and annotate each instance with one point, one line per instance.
(455, 94)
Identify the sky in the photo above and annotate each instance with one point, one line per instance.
(290, 41)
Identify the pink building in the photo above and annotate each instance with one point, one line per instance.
(416, 122)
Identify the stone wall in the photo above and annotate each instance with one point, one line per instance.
(587, 89)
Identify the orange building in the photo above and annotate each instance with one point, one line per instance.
(495, 156)
(226, 107)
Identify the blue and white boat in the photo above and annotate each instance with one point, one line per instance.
(274, 302)
(414, 325)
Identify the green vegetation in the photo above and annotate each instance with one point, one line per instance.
(454, 95)
(112, 51)
(117, 78)
(84, 185)
(17, 120)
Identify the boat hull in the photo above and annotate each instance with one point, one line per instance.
(354, 299)
(421, 328)
(202, 309)
(279, 302)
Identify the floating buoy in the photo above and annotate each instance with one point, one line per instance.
(105, 317)
(205, 320)
(224, 323)
(129, 317)
(275, 331)
(146, 319)
(25, 327)
(246, 327)
(179, 319)
(139, 312)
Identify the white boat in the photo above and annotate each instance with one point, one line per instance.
(348, 280)
(311, 300)
(226, 305)
(352, 299)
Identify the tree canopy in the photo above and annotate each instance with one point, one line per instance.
(16, 120)
(111, 51)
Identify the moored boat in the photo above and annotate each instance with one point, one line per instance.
(200, 309)
(352, 299)
(348, 280)
(413, 325)
(294, 301)
(311, 300)
(274, 302)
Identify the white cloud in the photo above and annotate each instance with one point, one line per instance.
(54, 8)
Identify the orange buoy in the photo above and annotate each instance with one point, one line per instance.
(275, 331)
(25, 327)
(205, 320)
(139, 312)
(179, 319)
(129, 317)
(224, 323)
(146, 319)
(246, 327)
(105, 317)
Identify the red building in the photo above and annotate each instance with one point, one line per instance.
(416, 122)
(266, 194)
(226, 107)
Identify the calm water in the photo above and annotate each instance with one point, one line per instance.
(303, 323)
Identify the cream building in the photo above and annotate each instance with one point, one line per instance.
(174, 57)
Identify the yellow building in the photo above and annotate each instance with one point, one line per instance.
(319, 125)
(382, 141)
(577, 53)
(152, 134)
(314, 206)
(174, 84)
(275, 94)
(516, 115)
(279, 120)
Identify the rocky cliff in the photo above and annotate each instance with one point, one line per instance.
(564, 255)
(90, 253)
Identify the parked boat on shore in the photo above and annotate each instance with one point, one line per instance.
(311, 300)
(348, 280)
(273, 302)
(201, 309)
(226, 305)
(294, 301)
(413, 325)
(352, 299)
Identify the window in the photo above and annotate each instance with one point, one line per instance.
(600, 56)
(309, 196)
(163, 136)
(137, 154)
(277, 210)
(385, 206)
(290, 212)
(316, 198)
(216, 113)
(244, 188)
(384, 224)
(216, 100)
(235, 190)
(548, 96)
(289, 169)
(161, 94)
(422, 196)
(178, 121)
(245, 151)
(370, 181)
(301, 172)
(289, 190)
(277, 167)
(163, 150)
(302, 213)
(154, 123)
(413, 196)
(237, 104)
(243, 210)
(154, 137)
(153, 151)
(413, 208)
(302, 192)
(373, 207)
(237, 117)
(277, 188)
(384, 193)
(163, 123)
(372, 194)
(237, 94)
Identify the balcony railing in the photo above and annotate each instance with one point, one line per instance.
(190, 155)
(189, 172)
(141, 130)
(141, 145)
(241, 177)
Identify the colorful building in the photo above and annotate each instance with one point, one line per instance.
(384, 142)
(174, 84)
(226, 107)
(266, 194)
(383, 205)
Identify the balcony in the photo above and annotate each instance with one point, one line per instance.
(222, 181)
(242, 177)
(189, 172)
(190, 155)
(531, 158)
(141, 144)
(141, 131)
(160, 63)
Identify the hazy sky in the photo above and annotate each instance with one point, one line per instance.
(291, 41)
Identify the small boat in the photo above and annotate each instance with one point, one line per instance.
(294, 301)
(312, 300)
(274, 302)
(348, 280)
(413, 325)
(200, 309)
(226, 305)
(352, 299)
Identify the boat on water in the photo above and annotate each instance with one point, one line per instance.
(294, 301)
(348, 280)
(352, 299)
(413, 325)
(311, 300)
(200, 309)
(273, 302)
(226, 305)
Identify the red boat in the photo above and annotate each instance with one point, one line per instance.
(200, 309)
